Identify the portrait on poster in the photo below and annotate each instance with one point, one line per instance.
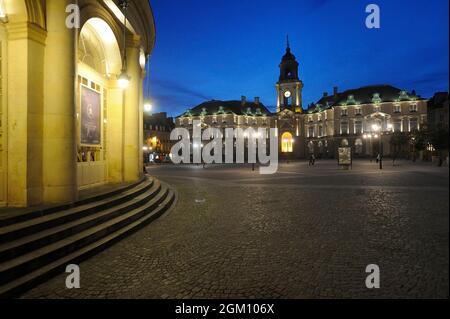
(90, 117)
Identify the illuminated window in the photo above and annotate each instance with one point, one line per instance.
(358, 146)
(413, 107)
(287, 142)
(413, 124)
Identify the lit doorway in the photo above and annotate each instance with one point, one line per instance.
(287, 143)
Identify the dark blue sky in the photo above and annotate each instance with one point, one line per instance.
(222, 49)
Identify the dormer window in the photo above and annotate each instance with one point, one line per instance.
(221, 110)
(249, 110)
(351, 99)
(376, 98)
(403, 96)
(397, 108)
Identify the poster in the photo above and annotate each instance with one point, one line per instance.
(345, 156)
(90, 117)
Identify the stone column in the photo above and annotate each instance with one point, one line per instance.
(26, 45)
(141, 120)
(59, 138)
(132, 124)
(115, 133)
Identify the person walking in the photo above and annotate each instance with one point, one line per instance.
(311, 159)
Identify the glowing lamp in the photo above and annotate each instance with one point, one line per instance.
(123, 80)
(375, 127)
(148, 107)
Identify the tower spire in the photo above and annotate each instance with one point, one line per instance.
(288, 47)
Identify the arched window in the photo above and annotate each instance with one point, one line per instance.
(287, 142)
(358, 146)
(320, 147)
(311, 147)
(344, 142)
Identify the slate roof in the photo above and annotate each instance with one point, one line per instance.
(363, 95)
(216, 107)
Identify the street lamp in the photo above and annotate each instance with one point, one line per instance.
(148, 107)
(123, 80)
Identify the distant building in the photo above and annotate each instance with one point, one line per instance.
(348, 118)
(438, 110)
(157, 128)
(340, 119)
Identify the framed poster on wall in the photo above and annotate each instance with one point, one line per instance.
(90, 117)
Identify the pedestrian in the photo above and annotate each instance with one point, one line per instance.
(313, 160)
(378, 158)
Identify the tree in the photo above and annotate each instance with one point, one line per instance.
(439, 140)
(398, 140)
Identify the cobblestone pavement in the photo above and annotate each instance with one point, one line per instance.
(301, 233)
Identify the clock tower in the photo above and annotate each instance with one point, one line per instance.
(289, 87)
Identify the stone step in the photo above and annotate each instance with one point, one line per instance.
(34, 225)
(15, 248)
(20, 266)
(146, 215)
(30, 213)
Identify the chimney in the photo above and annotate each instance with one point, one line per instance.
(257, 100)
(335, 90)
(325, 94)
(243, 100)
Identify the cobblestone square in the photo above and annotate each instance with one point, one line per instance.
(305, 232)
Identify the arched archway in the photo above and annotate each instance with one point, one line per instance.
(311, 147)
(358, 146)
(98, 48)
(99, 63)
(25, 11)
(287, 143)
(344, 143)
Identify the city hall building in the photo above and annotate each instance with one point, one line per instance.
(356, 118)
(71, 99)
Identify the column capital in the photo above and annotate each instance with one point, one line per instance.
(26, 30)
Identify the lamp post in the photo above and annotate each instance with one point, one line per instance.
(377, 128)
(377, 133)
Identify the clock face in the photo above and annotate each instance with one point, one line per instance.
(287, 94)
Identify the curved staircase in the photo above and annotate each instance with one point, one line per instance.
(40, 244)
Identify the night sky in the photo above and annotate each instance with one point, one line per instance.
(222, 49)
